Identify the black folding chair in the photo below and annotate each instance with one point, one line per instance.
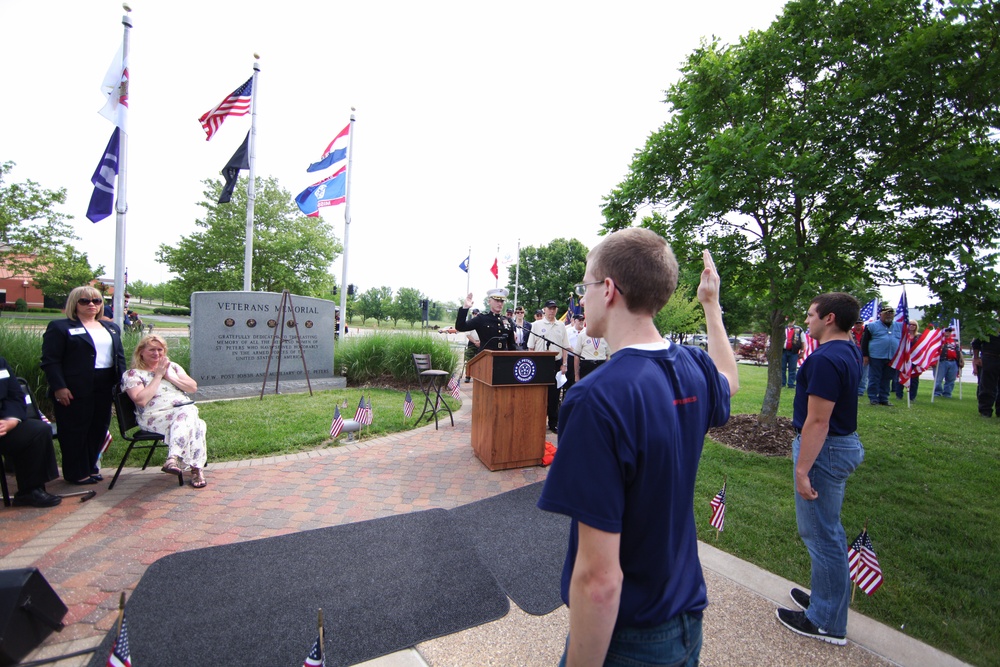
(431, 380)
(125, 412)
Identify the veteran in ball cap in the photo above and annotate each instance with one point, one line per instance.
(495, 331)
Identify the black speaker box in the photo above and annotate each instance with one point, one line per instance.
(29, 611)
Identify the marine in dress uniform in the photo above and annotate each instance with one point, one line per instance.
(495, 331)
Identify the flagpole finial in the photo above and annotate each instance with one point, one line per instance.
(256, 56)
(126, 7)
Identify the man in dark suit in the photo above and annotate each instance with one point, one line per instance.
(26, 443)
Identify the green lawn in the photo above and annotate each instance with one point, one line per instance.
(926, 491)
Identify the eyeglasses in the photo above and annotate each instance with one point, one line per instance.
(581, 288)
(95, 302)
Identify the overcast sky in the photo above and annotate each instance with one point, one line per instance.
(478, 124)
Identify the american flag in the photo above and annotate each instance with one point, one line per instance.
(454, 388)
(809, 345)
(338, 423)
(869, 311)
(359, 414)
(865, 570)
(369, 414)
(315, 657)
(719, 509)
(902, 311)
(121, 656)
(237, 103)
(925, 351)
(902, 360)
(105, 444)
(408, 404)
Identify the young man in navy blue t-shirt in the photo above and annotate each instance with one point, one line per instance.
(630, 437)
(824, 454)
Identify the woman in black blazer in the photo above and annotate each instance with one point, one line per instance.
(83, 358)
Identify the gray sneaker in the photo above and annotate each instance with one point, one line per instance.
(799, 597)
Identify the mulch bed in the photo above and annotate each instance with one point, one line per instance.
(749, 434)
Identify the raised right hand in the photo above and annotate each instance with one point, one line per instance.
(468, 301)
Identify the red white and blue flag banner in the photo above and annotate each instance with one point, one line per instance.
(315, 657)
(861, 558)
(338, 423)
(718, 503)
(454, 388)
(237, 103)
(331, 155)
(408, 404)
(369, 414)
(359, 414)
(121, 655)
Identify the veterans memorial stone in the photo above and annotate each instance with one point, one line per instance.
(231, 334)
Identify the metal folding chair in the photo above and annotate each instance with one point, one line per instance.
(125, 412)
(431, 380)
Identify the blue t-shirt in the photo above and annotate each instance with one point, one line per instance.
(630, 438)
(832, 372)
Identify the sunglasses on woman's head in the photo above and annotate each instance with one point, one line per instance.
(95, 302)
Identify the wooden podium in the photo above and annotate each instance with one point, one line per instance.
(509, 400)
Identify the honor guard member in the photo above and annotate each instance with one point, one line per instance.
(494, 329)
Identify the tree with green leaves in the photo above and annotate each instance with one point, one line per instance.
(683, 314)
(34, 237)
(375, 302)
(549, 272)
(406, 306)
(845, 142)
(290, 251)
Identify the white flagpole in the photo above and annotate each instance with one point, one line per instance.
(121, 206)
(347, 229)
(517, 272)
(251, 197)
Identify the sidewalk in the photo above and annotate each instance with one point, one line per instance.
(90, 552)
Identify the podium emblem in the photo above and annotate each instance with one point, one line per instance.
(524, 370)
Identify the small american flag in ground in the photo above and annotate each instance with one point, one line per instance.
(359, 414)
(237, 103)
(408, 404)
(718, 519)
(369, 413)
(865, 570)
(315, 657)
(121, 656)
(454, 388)
(107, 443)
(338, 423)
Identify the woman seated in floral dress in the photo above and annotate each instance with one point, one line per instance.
(159, 389)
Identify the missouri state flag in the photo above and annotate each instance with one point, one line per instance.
(328, 192)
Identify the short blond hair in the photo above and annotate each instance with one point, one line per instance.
(146, 341)
(642, 265)
(82, 292)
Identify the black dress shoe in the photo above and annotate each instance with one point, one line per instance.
(98, 476)
(36, 498)
(89, 480)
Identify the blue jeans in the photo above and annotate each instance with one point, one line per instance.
(897, 388)
(864, 381)
(945, 375)
(879, 378)
(676, 643)
(821, 530)
(789, 367)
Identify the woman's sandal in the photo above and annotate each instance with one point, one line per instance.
(170, 466)
(198, 478)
